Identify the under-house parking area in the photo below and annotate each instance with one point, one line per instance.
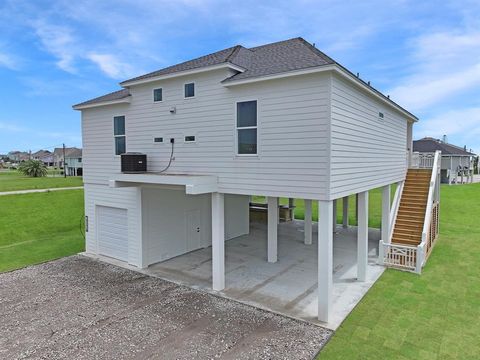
(288, 286)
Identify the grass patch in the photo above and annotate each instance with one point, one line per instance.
(432, 316)
(374, 207)
(13, 180)
(39, 227)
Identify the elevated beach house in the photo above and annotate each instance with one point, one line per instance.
(171, 161)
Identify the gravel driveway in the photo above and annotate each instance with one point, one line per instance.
(79, 308)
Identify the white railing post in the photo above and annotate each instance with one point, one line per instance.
(381, 253)
(420, 258)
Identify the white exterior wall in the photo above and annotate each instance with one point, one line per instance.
(164, 222)
(292, 125)
(163, 217)
(366, 152)
(237, 216)
(98, 154)
(123, 198)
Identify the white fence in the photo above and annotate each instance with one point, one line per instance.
(422, 160)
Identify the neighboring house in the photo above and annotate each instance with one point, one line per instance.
(457, 163)
(44, 156)
(58, 155)
(18, 156)
(73, 162)
(278, 120)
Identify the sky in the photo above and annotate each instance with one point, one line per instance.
(56, 53)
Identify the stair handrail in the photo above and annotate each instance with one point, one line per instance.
(394, 209)
(430, 199)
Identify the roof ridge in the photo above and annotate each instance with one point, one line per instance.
(317, 51)
(272, 43)
(234, 52)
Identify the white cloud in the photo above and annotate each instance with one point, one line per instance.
(9, 127)
(444, 65)
(59, 41)
(112, 66)
(8, 61)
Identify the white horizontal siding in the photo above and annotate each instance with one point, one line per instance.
(292, 130)
(366, 151)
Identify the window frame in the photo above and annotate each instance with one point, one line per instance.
(153, 95)
(237, 128)
(115, 136)
(192, 141)
(194, 90)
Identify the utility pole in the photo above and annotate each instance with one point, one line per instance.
(64, 167)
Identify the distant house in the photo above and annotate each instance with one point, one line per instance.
(73, 162)
(58, 159)
(457, 162)
(44, 156)
(18, 156)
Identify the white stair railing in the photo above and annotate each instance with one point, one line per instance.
(430, 225)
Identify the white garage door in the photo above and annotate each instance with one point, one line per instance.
(112, 232)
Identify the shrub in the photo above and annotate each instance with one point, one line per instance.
(33, 168)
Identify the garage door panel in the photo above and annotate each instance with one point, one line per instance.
(112, 232)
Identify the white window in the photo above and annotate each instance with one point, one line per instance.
(189, 90)
(119, 134)
(190, 138)
(247, 128)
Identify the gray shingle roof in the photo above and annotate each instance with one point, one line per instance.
(431, 145)
(223, 56)
(280, 57)
(270, 59)
(116, 95)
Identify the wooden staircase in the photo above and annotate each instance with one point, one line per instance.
(411, 213)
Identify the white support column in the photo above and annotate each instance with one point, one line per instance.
(386, 214)
(272, 229)
(218, 241)
(325, 260)
(345, 212)
(308, 222)
(334, 220)
(362, 248)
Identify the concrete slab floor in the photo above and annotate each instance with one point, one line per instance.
(287, 287)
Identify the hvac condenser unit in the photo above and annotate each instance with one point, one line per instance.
(134, 162)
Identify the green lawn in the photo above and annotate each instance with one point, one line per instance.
(38, 227)
(374, 208)
(432, 316)
(11, 180)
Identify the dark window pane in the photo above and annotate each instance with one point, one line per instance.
(157, 95)
(120, 145)
(189, 138)
(119, 125)
(247, 141)
(247, 113)
(189, 90)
